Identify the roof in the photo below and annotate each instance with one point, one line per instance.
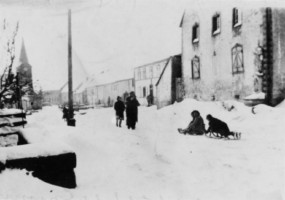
(182, 19)
(165, 59)
(166, 64)
(23, 54)
(163, 70)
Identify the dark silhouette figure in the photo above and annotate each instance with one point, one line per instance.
(119, 108)
(149, 99)
(219, 127)
(65, 113)
(196, 126)
(132, 110)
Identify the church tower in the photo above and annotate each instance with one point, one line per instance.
(24, 70)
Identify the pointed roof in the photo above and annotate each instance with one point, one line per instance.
(23, 54)
(182, 20)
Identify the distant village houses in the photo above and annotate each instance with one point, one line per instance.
(227, 53)
(106, 94)
(145, 77)
(232, 52)
(51, 97)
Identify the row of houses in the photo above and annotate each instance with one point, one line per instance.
(227, 53)
(147, 80)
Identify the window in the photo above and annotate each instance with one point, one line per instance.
(144, 73)
(157, 70)
(236, 17)
(144, 92)
(195, 33)
(216, 24)
(139, 74)
(196, 68)
(150, 72)
(237, 59)
(140, 91)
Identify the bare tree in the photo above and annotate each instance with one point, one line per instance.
(9, 88)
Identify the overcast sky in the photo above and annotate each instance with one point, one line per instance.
(110, 37)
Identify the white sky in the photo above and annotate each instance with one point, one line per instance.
(113, 36)
(108, 35)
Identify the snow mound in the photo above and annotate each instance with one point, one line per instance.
(281, 105)
(259, 95)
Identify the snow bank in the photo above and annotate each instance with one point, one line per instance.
(155, 162)
(259, 95)
(50, 148)
(10, 111)
(281, 105)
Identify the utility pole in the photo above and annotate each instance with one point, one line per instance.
(70, 120)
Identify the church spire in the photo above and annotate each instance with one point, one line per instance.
(23, 55)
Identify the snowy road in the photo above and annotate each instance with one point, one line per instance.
(155, 162)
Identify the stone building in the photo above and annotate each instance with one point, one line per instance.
(233, 52)
(146, 76)
(106, 94)
(169, 83)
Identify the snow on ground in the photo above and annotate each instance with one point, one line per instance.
(155, 162)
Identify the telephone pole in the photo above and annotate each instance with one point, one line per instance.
(71, 120)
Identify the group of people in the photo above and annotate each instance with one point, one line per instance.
(131, 107)
(197, 126)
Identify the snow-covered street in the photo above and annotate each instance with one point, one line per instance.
(155, 162)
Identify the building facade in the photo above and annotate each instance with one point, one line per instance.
(233, 52)
(106, 94)
(146, 77)
(51, 97)
(168, 87)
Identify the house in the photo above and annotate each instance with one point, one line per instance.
(169, 83)
(146, 76)
(91, 90)
(106, 94)
(233, 52)
(122, 88)
(51, 97)
(77, 96)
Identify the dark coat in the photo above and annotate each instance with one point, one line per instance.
(196, 126)
(132, 110)
(120, 108)
(65, 113)
(218, 126)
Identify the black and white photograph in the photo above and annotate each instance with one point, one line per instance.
(142, 100)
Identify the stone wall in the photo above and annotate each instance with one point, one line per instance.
(216, 75)
(278, 30)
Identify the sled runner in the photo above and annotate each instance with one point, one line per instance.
(235, 135)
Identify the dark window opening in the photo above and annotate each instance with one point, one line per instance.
(236, 17)
(195, 33)
(216, 24)
(144, 92)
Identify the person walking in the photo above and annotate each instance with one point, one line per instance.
(119, 108)
(132, 110)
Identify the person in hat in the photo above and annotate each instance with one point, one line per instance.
(132, 110)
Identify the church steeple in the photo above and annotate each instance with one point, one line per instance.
(23, 54)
